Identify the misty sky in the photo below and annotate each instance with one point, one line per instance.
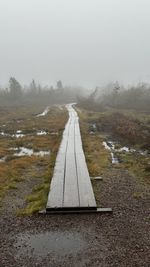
(87, 42)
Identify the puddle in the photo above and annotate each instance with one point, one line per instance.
(3, 159)
(114, 159)
(42, 153)
(44, 113)
(110, 145)
(93, 128)
(23, 151)
(4, 134)
(19, 134)
(41, 133)
(40, 245)
(106, 146)
(54, 133)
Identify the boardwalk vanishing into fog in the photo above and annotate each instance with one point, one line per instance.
(71, 187)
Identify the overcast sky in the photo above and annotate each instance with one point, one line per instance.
(87, 42)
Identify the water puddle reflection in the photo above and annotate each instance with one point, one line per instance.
(42, 244)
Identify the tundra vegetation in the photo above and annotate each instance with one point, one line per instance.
(121, 116)
(112, 113)
(34, 171)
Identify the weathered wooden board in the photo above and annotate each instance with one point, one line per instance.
(71, 185)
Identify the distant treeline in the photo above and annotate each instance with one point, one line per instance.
(118, 97)
(16, 94)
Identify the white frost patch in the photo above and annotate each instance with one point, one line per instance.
(23, 151)
(41, 133)
(44, 113)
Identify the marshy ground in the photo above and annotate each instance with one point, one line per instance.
(118, 239)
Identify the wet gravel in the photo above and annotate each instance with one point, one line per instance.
(120, 239)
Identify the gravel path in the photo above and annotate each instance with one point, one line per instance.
(120, 239)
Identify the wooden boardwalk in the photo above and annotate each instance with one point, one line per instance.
(71, 187)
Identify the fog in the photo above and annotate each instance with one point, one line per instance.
(81, 42)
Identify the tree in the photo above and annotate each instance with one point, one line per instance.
(15, 88)
(59, 84)
(33, 88)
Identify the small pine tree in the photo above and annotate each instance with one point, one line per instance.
(15, 88)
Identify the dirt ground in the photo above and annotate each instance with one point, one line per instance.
(119, 239)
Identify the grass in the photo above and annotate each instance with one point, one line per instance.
(26, 169)
(22, 169)
(97, 157)
(137, 165)
(36, 201)
(116, 126)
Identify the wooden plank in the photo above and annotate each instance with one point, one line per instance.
(97, 178)
(55, 197)
(77, 211)
(71, 186)
(71, 193)
(85, 187)
(56, 193)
